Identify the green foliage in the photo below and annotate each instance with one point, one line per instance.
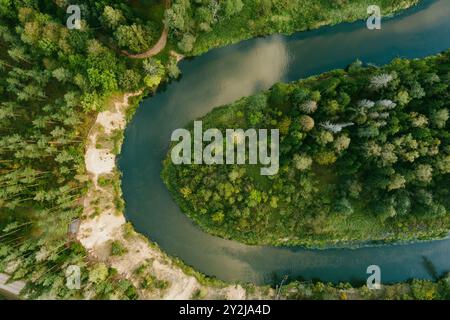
(410, 290)
(52, 79)
(112, 17)
(117, 249)
(135, 37)
(172, 69)
(98, 273)
(187, 43)
(366, 161)
(209, 24)
(154, 71)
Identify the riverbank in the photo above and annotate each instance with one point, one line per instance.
(104, 227)
(275, 17)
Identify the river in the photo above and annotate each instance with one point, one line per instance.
(223, 75)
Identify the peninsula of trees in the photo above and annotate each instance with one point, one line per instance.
(364, 156)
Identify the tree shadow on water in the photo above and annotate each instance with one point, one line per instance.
(430, 267)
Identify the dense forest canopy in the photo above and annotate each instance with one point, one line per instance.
(53, 82)
(364, 155)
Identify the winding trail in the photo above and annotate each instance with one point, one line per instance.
(158, 47)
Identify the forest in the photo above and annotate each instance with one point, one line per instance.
(411, 290)
(53, 82)
(364, 156)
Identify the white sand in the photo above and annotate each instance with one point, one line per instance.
(111, 120)
(99, 161)
(98, 231)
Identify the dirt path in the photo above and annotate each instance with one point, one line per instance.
(159, 45)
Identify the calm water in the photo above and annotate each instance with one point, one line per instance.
(224, 75)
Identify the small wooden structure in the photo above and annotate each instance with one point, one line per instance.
(72, 229)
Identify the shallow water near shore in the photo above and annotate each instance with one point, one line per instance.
(226, 74)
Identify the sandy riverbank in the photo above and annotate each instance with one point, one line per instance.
(102, 223)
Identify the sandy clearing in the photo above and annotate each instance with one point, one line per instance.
(178, 56)
(97, 231)
(111, 120)
(235, 293)
(182, 290)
